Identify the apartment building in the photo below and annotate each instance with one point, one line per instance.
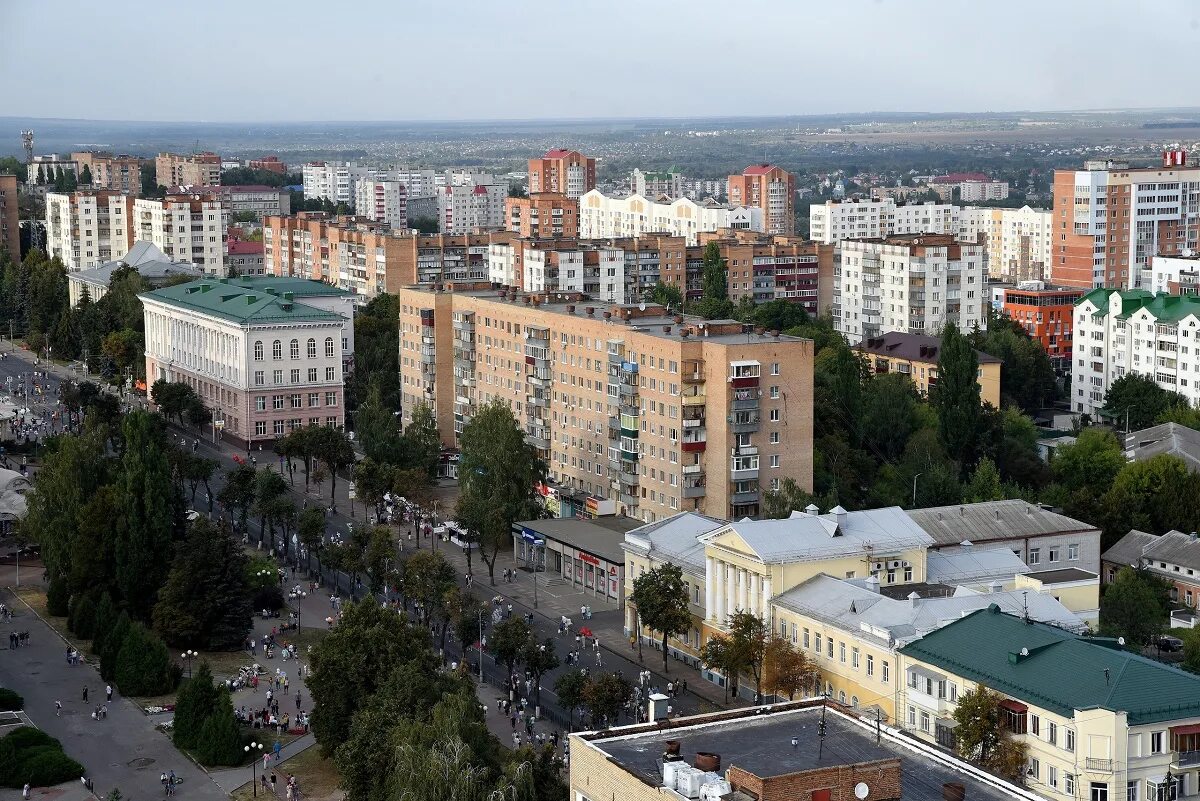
(834, 220)
(602, 217)
(1134, 332)
(659, 413)
(1018, 241)
(465, 208)
(334, 181)
(261, 201)
(367, 258)
(1047, 313)
(1110, 220)
(916, 356)
(268, 163)
(771, 189)
(245, 257)
(10, 218)
(591, 269)
(382, 201)
(968, 187)
(89, 227)
(566, 172)
(667, 183)
(41, 170)
(766, 268)
(267, 355)
(186, 226)
(548, 215)
(1175, 275)
(914, 283)
(120, 173)
(1097, 720)
(196, 169)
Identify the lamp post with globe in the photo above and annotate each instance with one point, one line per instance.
(250, 749)
(187, 657)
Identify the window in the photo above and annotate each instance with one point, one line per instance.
(260, 404)
(1099, 791)
(312, 375)
(1054, 554)
(886, 673)
(331, 399)
(297, 401)
(331, 422)
(805, 638)
(258, 354)
(312, 348)
(1131, 791)
(277, 350)
(314, 399)
(1034, 771)
(277, 377)
(1073, 552)
(1156, 742)
(260, 427)
(277, 402)
(296, 376)
(1069, 784)
(829, 647)
(924, 721)
(774, 368)
(294, 350)
(913, 680)
(1035, 556)
(1052, 776)
(259, 378)
(329, 351)
(774, 392)
(912, 716)
(818, 641)
(870, 663)
(1035, 725)
(330, 373)
(774, 415)
(854, 658)
(1069, 739)
(278, 427)
(1161, 792)
(842, 652)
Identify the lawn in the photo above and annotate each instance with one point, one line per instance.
(316, 776)
(36, 598)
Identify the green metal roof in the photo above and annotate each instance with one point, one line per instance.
(1166, 308)
(1099, 298)
(1062, 671)
(251, 299)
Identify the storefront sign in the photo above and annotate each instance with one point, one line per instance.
(587, 557)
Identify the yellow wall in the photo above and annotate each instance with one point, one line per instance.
(920, 372)
(1081, 597)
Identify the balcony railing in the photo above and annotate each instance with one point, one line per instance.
(1097, 765)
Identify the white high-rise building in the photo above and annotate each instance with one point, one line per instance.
(384, 201)
(833, 221)
(912, 283)
(1173, 274)
(186, 227)
(465, 207)
(334, 180)
(1018, 240)
(88, 227)
(657, 184)
(603, 217)
(1134, 331)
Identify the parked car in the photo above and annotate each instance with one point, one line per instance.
(1169, 644)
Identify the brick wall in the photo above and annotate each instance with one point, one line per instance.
(882, 777)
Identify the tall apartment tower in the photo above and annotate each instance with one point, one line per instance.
(382, 201)
(197, 169)
(1110, 220)
(769, 188)
(660, 413)
(89, 227)
(564, 171)
(10, 221)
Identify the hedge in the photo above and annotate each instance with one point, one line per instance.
(30, 755)
(10, 701)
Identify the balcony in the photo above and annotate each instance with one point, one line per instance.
(1185, 759)
(628, 390)
(748, 474)
(629, 500)
(693, 447)
(535, 400)
(743, 382)
(742, 498)
(627, 477)
(694, 490)
(693, 470)
(744, 424)
(694, 400)
(1096, 765)
(539, 442)
(696, 423)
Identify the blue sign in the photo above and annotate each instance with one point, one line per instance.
(529, 535)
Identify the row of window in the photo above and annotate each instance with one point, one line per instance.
(281, 427)
(294, 349)
(296, 401)
(277, 376)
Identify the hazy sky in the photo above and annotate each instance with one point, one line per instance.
(263, 60)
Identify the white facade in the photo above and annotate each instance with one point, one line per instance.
(1018, 241)
(1167, 270)
(463, 208)
(978, 191)
(48, 164)
(334, 180)
(602, 217)
(192, 228)
(1134, 332)
(502, 264)
(656, 184)
(84, 229)
(834, 221)
(908, 285)
(384, 201)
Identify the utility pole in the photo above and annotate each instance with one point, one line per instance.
(914, 497)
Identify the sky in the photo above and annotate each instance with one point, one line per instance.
(385, 60)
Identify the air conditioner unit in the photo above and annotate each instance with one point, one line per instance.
(877, 566)
(894, 564)
(906, 564)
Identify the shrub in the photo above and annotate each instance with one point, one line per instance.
(143, 666)
(83, 617)
(220, 740)
(112, 647)
(46, 766)
(58, 598)
(267, 598)
(10, 701)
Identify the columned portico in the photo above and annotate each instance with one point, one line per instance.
(755, 595)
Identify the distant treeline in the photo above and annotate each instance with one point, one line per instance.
(1184, 124)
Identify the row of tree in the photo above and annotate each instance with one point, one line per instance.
(204, 722)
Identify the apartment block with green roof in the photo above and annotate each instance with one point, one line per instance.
(1100, 722)
(1117, 333)
(266, 354)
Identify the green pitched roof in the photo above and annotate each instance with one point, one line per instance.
(1166, 308)
(1062, 671)
(1099, 298)
(251, 299)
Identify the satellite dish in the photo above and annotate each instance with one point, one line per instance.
(861, 790)
(642, 306)
(1120, 641)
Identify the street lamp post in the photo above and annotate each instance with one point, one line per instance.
(253, 764)
(187, 657)
(481, 647)
(914, 502)
(299, 595)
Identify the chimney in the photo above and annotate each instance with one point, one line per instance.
(707, 762)
(913, 598)
(996, 586)
(839, 516)
(591, 311)
(812, 509)
(872, 584)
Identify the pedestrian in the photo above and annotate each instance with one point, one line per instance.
(25, 792)
(273, 780)
(297, 700)
(85, 693)
(58, 709)
(108, 693)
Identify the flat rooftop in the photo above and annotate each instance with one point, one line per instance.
(761, 744)
(1062, 575)
(601, 536)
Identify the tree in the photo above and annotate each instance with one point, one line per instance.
(467, 617)
(1155, 495)
(82, 619)
(780, 315)
(85, 176)
(205, 602)
(780, 503)
(714, 301)
(748, 637)
(1085, 469)
(955, 397)
(604, 695)
(144, 542)
(985, 484)
(889, 414)
(539, 659)
(569, 688)
(220, 738)
(1191, 650)
(497, 474)
(270, 492)
(661, 598)
(666, 295)
(377, 429)
(110, 648)
(311, 531)
(238, 493)
(1136, 400)
(982, 738)
(1135, 606)
(787, 669)
(352, 662)
(508, 641)
(377, 350)
(1027, 379)
(172, 398)
(719, 654)
(423, 442)
(334, 449)
(379, 560)
(106, 618)
(195, 702)
(428, 577)
(143, 665)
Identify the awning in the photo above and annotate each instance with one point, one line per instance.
(1013, 705)
(946, 723)
(1191, 728)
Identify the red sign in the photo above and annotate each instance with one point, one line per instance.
(591, 560)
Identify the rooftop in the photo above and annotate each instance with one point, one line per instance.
(805, 536)
(677, 537)
(150, 262)
(992, 520)
(1056, 670)
(251, 299)
(1173, 548)
(1063, 575)
(913, 347)
(759, 741)
(971, 564)
(1129, 549)
(759, 169)
(1169, 438)
(601, 536)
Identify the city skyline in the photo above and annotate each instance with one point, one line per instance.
(434, 69)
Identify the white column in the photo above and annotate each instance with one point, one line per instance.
(766, 596)
(754, 594)
(727, 575)
(710, 578)
(741, 589)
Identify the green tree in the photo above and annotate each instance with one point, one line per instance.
(1135, 606)
(194, 704)
(1191, 650)
(85, 176)
(982, 738)
(311, 531)
(1155, 495)
(661, 598)
(604, 695)
(714, 301)
(422, 441)
(1135, 400)
(220, 738)
(238, 493)
(82, 620)
(780, 503)
(666, 295)
(467, 617)
(377, 350)
(1085, 469)
(787, 669)
(889, 414)
(143, 552)
(539, 658)
(334, 449)
(839, 377)
(377, 429)
(497, 473)
(379, 560)
(569, 687)
(748, 637)
(205, 602)
(955, 397)
(110, 648)
(270, 491)
(106, 619)
(143, 665)
(1027, 378)
(780, 315)
(508, 640)
(985, 484)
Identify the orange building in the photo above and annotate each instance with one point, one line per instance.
(542, 215)
(564, 171)
(268, 163)
(1046, 314)
(10, 230)
(771, 189)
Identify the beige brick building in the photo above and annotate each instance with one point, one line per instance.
(120, 173)
(660, 413)
(10, 219)
(197, 169)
